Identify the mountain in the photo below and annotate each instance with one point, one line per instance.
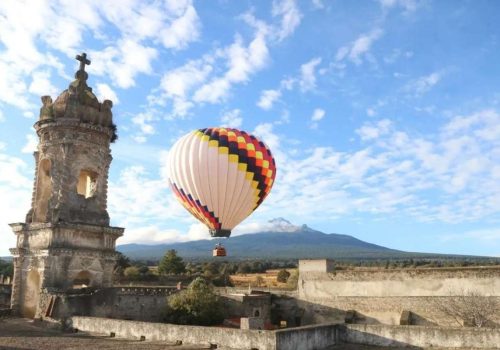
(280, 240)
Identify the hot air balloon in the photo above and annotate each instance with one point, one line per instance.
(221, 175)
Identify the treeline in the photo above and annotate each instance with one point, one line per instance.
(218, 272)
(6, 268)
(418, 263)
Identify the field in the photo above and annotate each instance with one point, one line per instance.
(263, 280)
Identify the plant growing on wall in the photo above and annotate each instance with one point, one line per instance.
(196, 305)
(468, 308)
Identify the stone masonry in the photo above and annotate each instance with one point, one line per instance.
(66, 241)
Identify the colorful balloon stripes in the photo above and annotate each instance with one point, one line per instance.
(221, 175)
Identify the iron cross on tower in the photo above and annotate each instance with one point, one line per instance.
(83, 61)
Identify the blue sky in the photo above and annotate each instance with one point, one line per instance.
(384, 116)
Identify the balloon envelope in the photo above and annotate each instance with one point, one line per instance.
(221, 175)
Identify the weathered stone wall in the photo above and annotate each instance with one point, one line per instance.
(128, 303)
(304, 338)
(379, 296)
(419, 336)
(5, 291)
(244, 305)
(223, 337)
(311, 337)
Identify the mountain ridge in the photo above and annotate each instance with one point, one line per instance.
(301, 243)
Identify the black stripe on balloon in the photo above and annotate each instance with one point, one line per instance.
(199, 206)
(243, 157)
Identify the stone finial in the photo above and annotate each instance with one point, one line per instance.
(46, 112)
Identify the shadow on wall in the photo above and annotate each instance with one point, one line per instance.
(298, 313)
(352, 336)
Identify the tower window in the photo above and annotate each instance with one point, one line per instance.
(87, 183)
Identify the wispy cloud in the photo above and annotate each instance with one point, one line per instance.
(424, 83)
(61, 27)
(446, 177)
(290, 16)
(268, 98)
(359, 48)
(317, 115)
(308, 74)
(232, 118)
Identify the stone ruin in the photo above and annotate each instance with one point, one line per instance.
(66, 241)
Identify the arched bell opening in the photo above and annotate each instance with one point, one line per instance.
(82, 280)
(87, 183)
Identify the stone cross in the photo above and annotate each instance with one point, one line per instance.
(83, 60)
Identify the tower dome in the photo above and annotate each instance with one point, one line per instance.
(78, 102)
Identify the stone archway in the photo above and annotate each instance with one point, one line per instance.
(31, 294)
(82, 280)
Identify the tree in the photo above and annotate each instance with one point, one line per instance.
(259, 281)
(132, 273)
(121, 264)
(144, 270)
(468, 308)
(6, 268)
(171, 264)
(283, 276)
(196, 305)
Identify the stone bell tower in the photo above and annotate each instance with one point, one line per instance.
(66, 241)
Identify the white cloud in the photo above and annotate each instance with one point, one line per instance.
(15, 191)
(290, 16)
(371, 131)
(179, 82)
(318, 4)
(423, 84)
(31, 144)
(182, 30)
(123, 62)
(139, 198)
(268, 98)
(308, 74)
(232, 119)
(359, 47)
(104, 92)
(317, 115)
(445, 177)
(41, 85)
(242, 61)
(144, 121)
(487, 236)
(198, 82)
(29, 114)
(408, 6)
(154, 234)
(273, 225)
(61, 26)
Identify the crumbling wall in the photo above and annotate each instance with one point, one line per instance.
(380, 296)
(5, 291)
(419, 336)
(247, 305)
(222, 337)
